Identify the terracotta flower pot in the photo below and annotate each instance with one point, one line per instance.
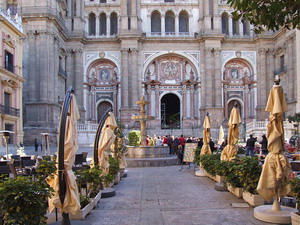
(295, 218)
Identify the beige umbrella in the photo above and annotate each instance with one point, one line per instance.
(276, 169)
(106, 140)
(229, 152)
(221, 135)
(206, 136)
(71, 201)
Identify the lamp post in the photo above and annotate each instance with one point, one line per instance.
(6, 137)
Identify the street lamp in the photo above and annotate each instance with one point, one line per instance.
(6, 137)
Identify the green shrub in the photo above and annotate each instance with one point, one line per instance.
(209, 163)
(233, 176)
(222, 168)
(24, 201)
(134, 138)
(249, 174)
(295, 188)
(114, 166)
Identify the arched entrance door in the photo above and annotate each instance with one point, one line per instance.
(102, 107)
(170, 112)
(231, 105)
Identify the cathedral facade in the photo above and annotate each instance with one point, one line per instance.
(187, 57)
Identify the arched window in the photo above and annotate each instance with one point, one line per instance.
(155, 23)
(183, 22)
(235, 27)
(170, 23)
(92, 24)
(225, 29)
(246, 27)
(102, 1)
(102, 24)
(113, 24)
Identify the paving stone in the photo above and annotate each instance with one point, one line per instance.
(167, 196)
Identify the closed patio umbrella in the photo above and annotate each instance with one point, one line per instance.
(206, 136)
(107, 138)
(66, 196)
(221, 135)
(229, 152)
(276, 169)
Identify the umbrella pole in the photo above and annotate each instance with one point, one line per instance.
(65, 219)
(98, 133)
(276, 205)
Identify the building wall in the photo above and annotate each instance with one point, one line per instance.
(11, 78)
(69, 50)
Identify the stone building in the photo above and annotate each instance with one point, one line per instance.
(11, 80)
(187, 57)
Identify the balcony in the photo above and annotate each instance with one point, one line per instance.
(9, 110)
(280, 71)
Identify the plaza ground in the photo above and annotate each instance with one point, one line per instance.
(167, 196)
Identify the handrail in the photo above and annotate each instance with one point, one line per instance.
(98, 133)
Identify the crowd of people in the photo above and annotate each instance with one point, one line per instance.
(176, 144)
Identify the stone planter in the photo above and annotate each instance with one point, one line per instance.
(238, 192)
(219, 178)
(97, 199)
(81, 214)
(295, 218)
(117, 178)
(122, 171)
(253, 200)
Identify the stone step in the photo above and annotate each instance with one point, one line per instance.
(152, 162)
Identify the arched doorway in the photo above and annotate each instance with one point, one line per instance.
(101, 109)
(170, 112)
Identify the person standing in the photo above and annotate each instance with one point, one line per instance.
(212, 145)
(175, 144)
(264, 145)
(170, 142)
(250, 146)
(182, 142)
(36, 144)
(159, 141)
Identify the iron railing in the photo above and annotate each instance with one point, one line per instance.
(9, 110)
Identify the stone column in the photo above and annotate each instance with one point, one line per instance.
(115, 101)
(218, 78)
(69, 8)
(230, 25)
(135, 77)
(241, 28)
(32, 69)
(217, 17)
(149, 23)
(108, 25)
(188, 103)
(163, 25)
(190, 25)
(97, 25)
(262, 93)
(157, 99)
(290, 71)
(207, 17)
(208, 77)
(78, 87)
(92, 100)
(270, 68)
(192, 102)
(78, 8)
(70, 68)
(43, 63)
(152, 101)
(124, 78)
(184, 101)
(176, 25)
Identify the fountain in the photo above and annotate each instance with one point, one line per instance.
(143, 156)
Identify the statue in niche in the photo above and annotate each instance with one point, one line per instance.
(234, 74)
(104, 75)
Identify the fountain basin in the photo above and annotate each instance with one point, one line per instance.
(147, 151)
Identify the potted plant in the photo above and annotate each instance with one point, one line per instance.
(249, 173)
(208, 163)
(295, 189)
(233, 181)
(134, 138)
(114, 169)
(24, 201)
(222, 169)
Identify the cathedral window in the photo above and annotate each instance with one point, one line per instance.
(170, 23)
(169, 0)
(183, 22)
(9, 61)
(102, 24)
(155, 23)
(225, 29)
(113, 24)
(102, 1)
(92, 24)
(235, 27)
(246, 27)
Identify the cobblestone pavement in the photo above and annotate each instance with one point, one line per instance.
(167, 196)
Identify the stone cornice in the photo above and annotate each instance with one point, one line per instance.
(11, 75)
